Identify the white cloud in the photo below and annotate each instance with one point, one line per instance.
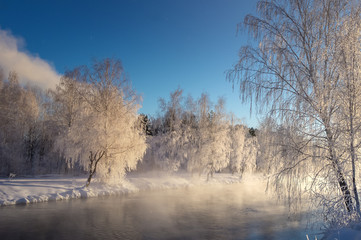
(30, 69)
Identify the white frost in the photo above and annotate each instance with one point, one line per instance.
(56, 187)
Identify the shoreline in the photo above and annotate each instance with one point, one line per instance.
(38, 189)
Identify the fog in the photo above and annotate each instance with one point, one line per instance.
(237, 211)
(30, 68)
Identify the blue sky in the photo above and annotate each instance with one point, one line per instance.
(163, 44)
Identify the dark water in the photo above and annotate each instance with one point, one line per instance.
(228, 212)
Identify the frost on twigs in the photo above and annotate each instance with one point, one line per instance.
(200, 138)
(103, 134)
(305, 71)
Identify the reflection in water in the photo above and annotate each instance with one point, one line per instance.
(228, 212)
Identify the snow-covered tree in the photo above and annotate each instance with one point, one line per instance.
(210, 144)
(219, 141)
(67, 106)
(198, 158)
(106, 136)
(33, 132)
(237, 135)
(190, 136)
(244, 150)
(18, 127)
(67, 101)
(244, 147)
(349, 61)
(167, 146)
(294, 72)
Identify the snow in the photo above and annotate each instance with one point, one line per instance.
(344, 234)
(57, 187)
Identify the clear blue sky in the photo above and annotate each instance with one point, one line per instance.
(163, 44)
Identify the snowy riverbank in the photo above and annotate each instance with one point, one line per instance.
(58, 187)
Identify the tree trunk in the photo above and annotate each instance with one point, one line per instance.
(342, 183)
(353, 160)
(94, 160)
(89, 178)
(339, 173)
(345, 190)
(352, 147)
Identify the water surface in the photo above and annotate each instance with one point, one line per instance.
(211, 212)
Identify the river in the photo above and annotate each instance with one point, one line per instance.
(210, 212)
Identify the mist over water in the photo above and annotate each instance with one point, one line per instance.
(210, 212)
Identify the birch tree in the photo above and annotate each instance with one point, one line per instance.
(218, 139)
(67, 100)
(295, 73)
(18, 127)
(199, 157)
(244, 149)
(210, 139)
(350, 73)
(237, 137)
(67, 107)
(168, 145)
(107, 137)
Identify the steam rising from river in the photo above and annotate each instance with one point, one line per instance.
(211, 211)
(30, 69)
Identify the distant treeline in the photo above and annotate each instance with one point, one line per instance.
(90, 124)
